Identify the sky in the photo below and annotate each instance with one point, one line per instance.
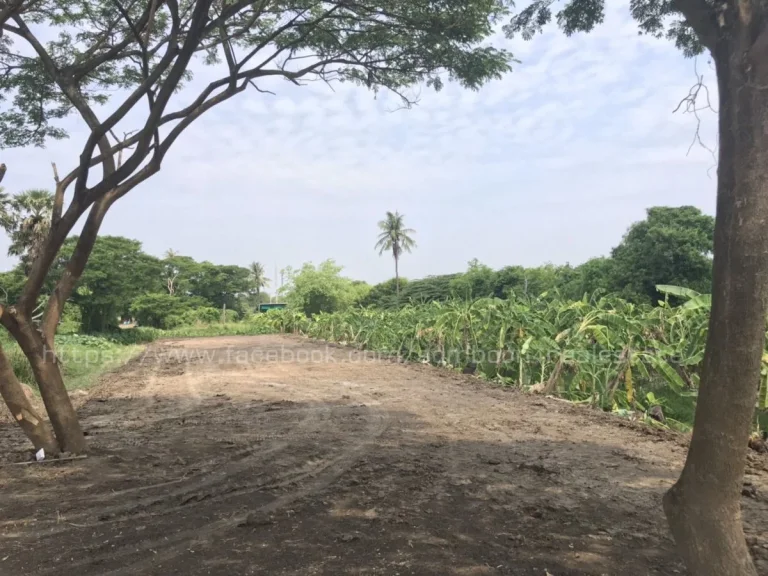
(550, 164)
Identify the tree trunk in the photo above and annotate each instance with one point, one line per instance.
(397, 279)
(704, 506)
(32, 423)
(47, 372)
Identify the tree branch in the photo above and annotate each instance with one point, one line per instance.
(73, 270)
(700, 16)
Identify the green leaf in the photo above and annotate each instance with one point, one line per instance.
(669, 374)
(677, 291)
(526, 345)
(700, 302)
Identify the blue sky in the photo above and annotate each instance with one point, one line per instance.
(550, 164)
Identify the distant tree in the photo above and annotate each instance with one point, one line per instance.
(671, 246)
(314, 289)
(118, 271)
(477, 282)
(162, 310)
(360, 291)
(428, 289)
(396, 238)
(258, 278)
(596, 275)
(156, 309)
(178, 272)
(222, 285)
(11, 284)
(383, 295)
(26, 218)
(170, 271)
(509, 279)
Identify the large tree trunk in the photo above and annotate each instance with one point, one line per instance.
(47, 372)
(38, 345)
(32, 423)
(704, 506)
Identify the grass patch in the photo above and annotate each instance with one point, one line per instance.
(143, 335)
(85, 357)
(83, 364)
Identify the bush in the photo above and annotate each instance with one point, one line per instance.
(71, 319)
(139, 335)
(21, 366)
(162, 310)
(202, 315)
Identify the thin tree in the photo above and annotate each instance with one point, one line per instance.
(170, 271)
(395, 237)
(704, 506)
(121, 66)
(259, 280)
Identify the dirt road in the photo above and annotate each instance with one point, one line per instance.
(274, 455)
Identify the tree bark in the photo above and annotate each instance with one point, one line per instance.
(397, 279)
(32, 423)
(704, 506)
(45, 367)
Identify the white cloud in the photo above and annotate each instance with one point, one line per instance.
(550, 163)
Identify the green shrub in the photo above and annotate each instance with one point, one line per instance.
(21, 366)
(71, 319)
(202, 315)
(155, 309)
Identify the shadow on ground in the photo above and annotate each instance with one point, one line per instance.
(264, 484)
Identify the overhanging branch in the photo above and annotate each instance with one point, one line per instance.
(700, 16)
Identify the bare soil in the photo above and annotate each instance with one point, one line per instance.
(275, 455)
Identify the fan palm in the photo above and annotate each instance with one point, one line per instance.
(395, 237)
(27, 219)
(259, 280)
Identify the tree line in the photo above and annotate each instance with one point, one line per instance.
(123, 282)
(671, 246)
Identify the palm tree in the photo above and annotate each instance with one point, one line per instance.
(259, 280)
(395, 237)
(26, 218)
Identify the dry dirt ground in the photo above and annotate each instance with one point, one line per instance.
(275, 455)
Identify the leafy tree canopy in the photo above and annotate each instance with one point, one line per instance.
(118, 271)
(163, 310)
(93, 48)
(428, 289)
(671, 246)
(383, 295)
(658, 18)
(220, 285)
(322, 288)
(26, 218)
(477, 282)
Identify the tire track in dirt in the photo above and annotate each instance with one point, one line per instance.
(215, 474)
(310, 481)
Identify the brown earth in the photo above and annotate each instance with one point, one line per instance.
(274, 455)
